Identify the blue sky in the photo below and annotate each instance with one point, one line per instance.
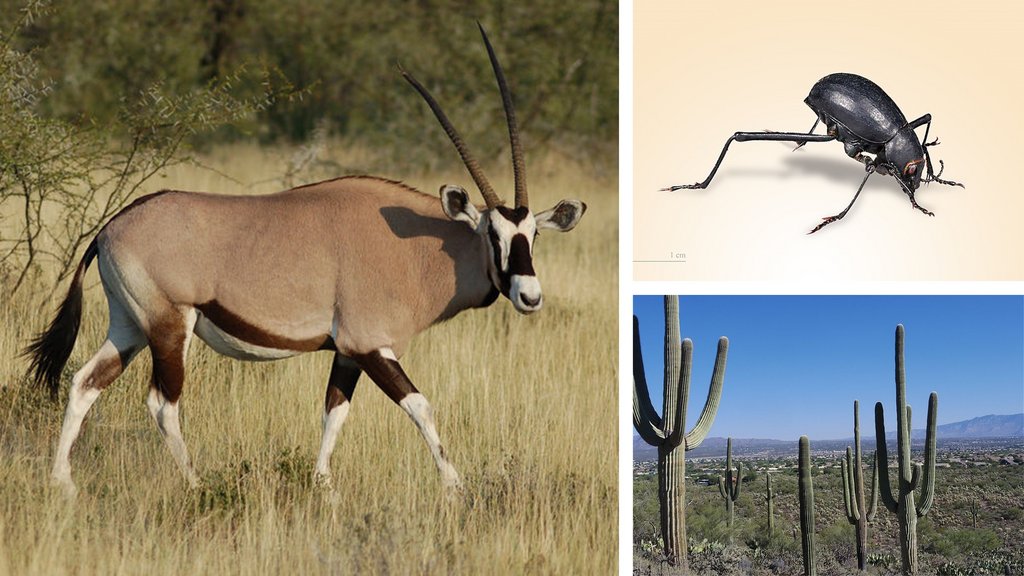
(797, 363)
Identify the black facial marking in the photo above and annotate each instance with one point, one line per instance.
(514, 216)
(520, 261)
(503, 276)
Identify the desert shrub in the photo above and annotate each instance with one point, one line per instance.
(61, 179)
(998, 563)
(964, 541)
(706, 521)
(646, 514)
(838, 542)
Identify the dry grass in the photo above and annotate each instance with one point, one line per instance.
(525, 405)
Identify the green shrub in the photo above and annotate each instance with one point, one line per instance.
(964, 541)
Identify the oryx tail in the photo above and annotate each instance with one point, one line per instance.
(50, 350)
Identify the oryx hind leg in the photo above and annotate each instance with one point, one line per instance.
(169, 346)
(124, 340)
(338, 400)
(387, 373)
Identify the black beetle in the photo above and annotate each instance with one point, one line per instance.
(864, 118)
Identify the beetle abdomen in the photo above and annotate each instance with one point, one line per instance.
(858, 104)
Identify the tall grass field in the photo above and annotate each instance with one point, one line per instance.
(526, 408)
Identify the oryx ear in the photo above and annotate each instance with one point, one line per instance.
(563, 217)
(456, 204)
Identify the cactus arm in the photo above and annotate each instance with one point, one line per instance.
(645, 418)
(924, 504)
(915, 477)
(882, 460)
(694, 438)
(873, 506)
(721, 487)
(678, 432)
(642, 418)
(852, 514)
(673, 364)
(902, 413)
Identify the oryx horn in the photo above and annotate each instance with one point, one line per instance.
(518, 164)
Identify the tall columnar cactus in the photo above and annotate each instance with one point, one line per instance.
(729, 485)
(806, 490)
(769, 498)
(911, 475)
(853, 491)
(668, 432)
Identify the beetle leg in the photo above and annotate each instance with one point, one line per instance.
(748, 136)
(926, 121)
(830, 219)
(811, 131)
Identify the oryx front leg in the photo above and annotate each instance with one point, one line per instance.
(340, 387)
(384, 369)
(170, 349)
(123, 341)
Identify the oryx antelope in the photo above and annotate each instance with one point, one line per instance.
(357, 265)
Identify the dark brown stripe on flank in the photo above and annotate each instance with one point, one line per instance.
(240, 328)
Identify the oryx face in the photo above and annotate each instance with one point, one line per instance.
(509, 234)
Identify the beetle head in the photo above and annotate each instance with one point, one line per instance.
(906, 156)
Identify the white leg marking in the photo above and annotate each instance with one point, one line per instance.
(168, 420)
(419, 410)
(166, 413)
(124, 340)
(80, 399)
(79, 402)
(153, 402)
(332, 426)
(387, 353)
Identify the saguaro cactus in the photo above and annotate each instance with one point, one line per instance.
(668, 432)
(853, 491)
(769, 498)
(806, 490)
(911, 475)
(729, 485)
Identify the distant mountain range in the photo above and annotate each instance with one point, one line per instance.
(991, 426)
